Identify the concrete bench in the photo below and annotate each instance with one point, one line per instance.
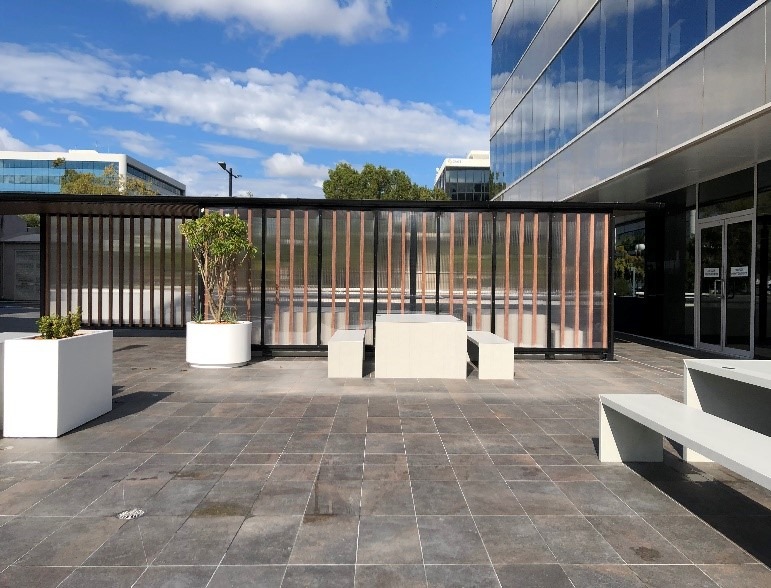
(345, 354)
(632, 427)
(737, 390)
(493, 355)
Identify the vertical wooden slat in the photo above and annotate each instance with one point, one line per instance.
(521, 285)
(182, 285)
(451, 268)
(277, 307)
(80, 262)
(563, 274)
(306, 231)
(90, 269)
(424, 264)
(389, 261)
(361, 270)
(404, 257)
(100, 270)
(590, 321)
(141, 271)
(507, 279)
(347, 267)
(162, 273)
(131, 273)
(121, 266)
(333, 327)
(479, 271)
(250, 237)
(605, 270)
(577, 314)
(534, 325)
(152, 270)
(465, 266)
(110, 268)
(69, 263)
(172, 272)
(291, 276)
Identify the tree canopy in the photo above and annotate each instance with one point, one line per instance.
(375, 183)
(110, 183)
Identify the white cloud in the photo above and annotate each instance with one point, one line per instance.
(30, 116)
(281, 165)
(203, 177)
(254, 104)
(76, 120)
(223, 150)
(349, 21)
(140, 144)
(441, 29)
(10, 143)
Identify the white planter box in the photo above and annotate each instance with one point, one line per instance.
(55, 385)
(218, 345)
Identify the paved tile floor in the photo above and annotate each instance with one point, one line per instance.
(273, 475)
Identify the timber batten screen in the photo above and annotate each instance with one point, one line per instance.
(535, 274)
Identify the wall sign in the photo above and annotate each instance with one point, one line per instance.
(711, 272)
(740, 271)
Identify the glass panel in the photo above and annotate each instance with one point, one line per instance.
(763, 265)
(684, 25)
(644, 49)
(726, 194)
(589, 70)
(721, 12)
(568, 91)
(711, 291)
(738, 285)
(612, 54)
(734, 72)
(680, 99)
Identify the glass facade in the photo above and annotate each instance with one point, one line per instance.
(469, 184)
(558, 68)
(24, 175)
(157, 183)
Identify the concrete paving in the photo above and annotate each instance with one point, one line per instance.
(274, 475)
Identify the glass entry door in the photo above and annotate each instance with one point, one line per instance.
(725, 286)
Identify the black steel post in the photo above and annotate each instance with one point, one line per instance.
(493, 270)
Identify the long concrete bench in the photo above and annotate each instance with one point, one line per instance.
(632, 427)
(493, 355)
(345, 354)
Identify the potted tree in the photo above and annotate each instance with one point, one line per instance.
(58, 380)
(220, 244)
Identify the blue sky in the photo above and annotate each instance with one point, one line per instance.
(280, 89)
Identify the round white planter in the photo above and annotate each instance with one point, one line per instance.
(223, 345)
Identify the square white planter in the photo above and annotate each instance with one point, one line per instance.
(7, 336)
(55, 385)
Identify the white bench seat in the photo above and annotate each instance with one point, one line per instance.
(494, 355)
(345, 354)
(632, 427)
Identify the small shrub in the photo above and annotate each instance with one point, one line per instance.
(54, 326)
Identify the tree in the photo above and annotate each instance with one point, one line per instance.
(110, 183)
(375, 183)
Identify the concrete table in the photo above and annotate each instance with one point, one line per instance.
(420, 346)
(737, 390)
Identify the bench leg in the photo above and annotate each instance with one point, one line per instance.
(623, 439)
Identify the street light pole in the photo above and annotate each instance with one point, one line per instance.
(231, 175)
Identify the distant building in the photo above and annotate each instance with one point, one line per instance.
(34, 171)
(465, 178)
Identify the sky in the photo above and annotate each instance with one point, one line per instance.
(281, 90)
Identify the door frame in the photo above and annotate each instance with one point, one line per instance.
(723, 221)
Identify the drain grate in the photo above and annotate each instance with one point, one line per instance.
(128, 515)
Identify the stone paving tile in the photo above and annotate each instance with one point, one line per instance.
(386, 576)
(273, 464)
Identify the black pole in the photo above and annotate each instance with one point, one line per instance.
(230, 182)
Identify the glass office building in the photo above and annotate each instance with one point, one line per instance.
(654, 101)
(41, 171)
(465, 179)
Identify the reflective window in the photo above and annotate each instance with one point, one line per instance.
(612, 54)
(684, 25)
(568, 91)
(644, 43)
(720, 12)
(726, 194)
(589, 70)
